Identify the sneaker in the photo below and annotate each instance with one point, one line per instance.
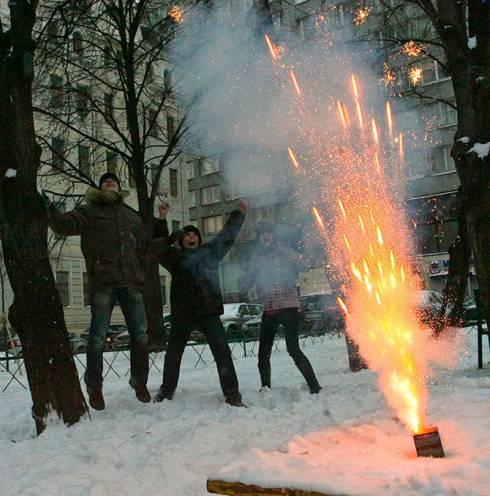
(141, 391)
(162, 395)
(95, 398)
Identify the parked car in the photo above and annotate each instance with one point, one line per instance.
(320, 314)
(78, 343)
(236, 315)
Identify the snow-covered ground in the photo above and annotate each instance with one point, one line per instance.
(342, 441)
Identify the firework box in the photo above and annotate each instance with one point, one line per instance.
(428, 443)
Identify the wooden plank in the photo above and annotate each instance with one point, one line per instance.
(238, 488)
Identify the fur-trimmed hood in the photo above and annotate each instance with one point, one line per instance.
(104, 197)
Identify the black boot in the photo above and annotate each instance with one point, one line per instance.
(141, 391)
(235, 399)
(95, 398)
(162, 395)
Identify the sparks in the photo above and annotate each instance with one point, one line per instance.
(359, 114)
(389, 77)
(355, 86)
(415, 75)
(295, 82)
(412, 49)
(342, 209)
(361, 15)
(389, 119)
(272, 48)
(293, 158)
(176, 13)
(344, 116)
(342, 305)
(318, 218)
(375, 132)
(401, 151)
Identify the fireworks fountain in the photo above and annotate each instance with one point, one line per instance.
(370, 246)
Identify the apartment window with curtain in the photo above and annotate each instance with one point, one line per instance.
(56, 89)
(211, 194)
(175, 225)
(77, 43)
(213, 224)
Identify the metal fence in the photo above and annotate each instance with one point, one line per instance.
(116, 361)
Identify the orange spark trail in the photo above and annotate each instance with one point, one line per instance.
(343, 114)
(355, 86)
(272, 48)
(359, 115)
(400, 146)
(293, 158)
(374, 128)
(389, 119)
(295, 82)
(319, 219)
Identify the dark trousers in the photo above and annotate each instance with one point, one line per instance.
(289, 318)
(132, 305)
(213, 329)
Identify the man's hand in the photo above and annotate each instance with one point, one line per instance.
(176, 236)
(242, 206)
(163, 209)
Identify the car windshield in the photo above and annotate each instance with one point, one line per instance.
(230, 309)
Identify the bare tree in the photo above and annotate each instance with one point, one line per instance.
(455, 34)
(107, 101)
(36, 313)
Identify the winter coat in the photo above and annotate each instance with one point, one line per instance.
(274, 271)
(113, 238)
(195, 290)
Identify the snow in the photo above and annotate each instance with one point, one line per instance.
(472, 42)
(481, 149)
(343, 441)
(464, 140)
(10, 173)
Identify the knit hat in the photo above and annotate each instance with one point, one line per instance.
(109, 175)
(191, 228)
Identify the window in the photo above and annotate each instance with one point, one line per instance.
(56, 88)
(111, 162)
(435, 221)
(163, 290)
(86, 290)
(213, 224)
(207, 167)
(448, 116)
(83, 159)
(107, 55)
(58, 153)
(211, 194)
(192, 198)
(174, 190)
(153, 123)
(82, 100)
(63, 285)
(175, 225)
(52, 30)
(109, 107)
(191, 170)
(441, 159)
(170, 127)
(306, 27)
(77, 43)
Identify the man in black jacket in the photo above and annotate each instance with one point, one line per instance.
(196, 301)
(113, 242)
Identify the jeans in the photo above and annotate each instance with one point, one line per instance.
(103, 300)
(213, 329)
(289, 318)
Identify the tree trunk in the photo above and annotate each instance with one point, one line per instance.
(457, 278)
(36, 314)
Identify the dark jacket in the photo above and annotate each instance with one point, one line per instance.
(274, 272)
(113, 238)
(195, 290)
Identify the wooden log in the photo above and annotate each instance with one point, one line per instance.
(238, 488)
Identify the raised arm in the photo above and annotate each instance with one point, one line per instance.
(164, 252)
(160, 229)
(225, 239)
